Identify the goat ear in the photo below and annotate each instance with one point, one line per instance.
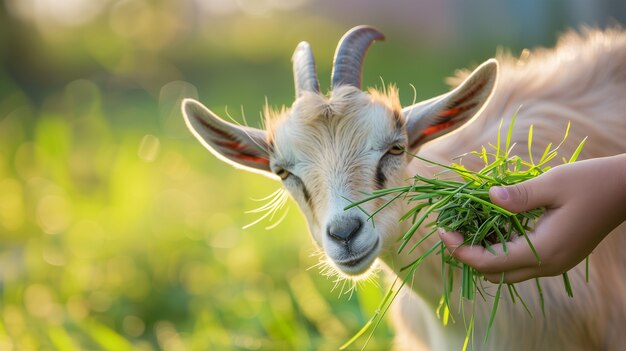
(433, 118)
(241, 146)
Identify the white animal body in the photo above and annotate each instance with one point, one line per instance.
(327, 149)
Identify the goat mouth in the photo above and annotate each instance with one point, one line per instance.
(355, 264)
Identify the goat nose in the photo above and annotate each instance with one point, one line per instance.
(344, 230)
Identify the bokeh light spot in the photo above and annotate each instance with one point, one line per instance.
(77, 308)
(53, 256)
(13, 319)
(11, 204)
(149, 148)
(168, 337)
(100, 301)
(221, 232)
(123, 17)
(84, 96)
(70, 13)
(26, 160)
(40, 302)
(133, 326)
(53, 214)
(170, 98)
(84, 239)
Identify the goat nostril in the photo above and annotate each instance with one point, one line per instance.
(344, 230)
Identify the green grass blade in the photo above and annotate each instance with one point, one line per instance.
(414, 211)
(387, 191)
(468, 333)
(107, 338)
(576, 153)
(385, 205)
(511, 294)
(456, 170)
(509, 133)
(498, 138)
(522, 231)
(390, 297)
(422, 257)
(420, 241)
(468, 290)
(407, 236)
(489, 204)
(61, 339)
(530, 144)
(541, 300)
(519, 297)
(501, 238)
(483, 155)
(545, 154)
(360, 202)
(361, 331)
(564, 136)
(494, 308)
(443, 311)
(568, 285)
(446, 292)
(370, 322)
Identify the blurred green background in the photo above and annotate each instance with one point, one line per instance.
(118, 231)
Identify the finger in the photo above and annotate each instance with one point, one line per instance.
(495, 260)
(454, 243)
(452, 240)
(514, 276)
(533, 193)
(522, 274)
(529, 267)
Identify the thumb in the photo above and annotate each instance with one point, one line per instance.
(523, 196)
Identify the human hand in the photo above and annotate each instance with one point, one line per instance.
(583, 202)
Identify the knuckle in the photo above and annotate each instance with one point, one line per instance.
(520, 194)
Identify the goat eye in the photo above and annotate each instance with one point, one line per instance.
(283, 173)
(396, 150)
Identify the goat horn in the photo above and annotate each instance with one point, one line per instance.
(348, 61)
(304, 73)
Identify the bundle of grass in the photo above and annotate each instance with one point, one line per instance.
(460, 199)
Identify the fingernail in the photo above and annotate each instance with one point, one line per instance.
(500, 192)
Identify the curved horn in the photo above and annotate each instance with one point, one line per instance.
(348, 61)
(304, 73)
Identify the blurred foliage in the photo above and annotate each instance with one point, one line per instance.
(118, 231)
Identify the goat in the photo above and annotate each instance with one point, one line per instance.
(327, 149)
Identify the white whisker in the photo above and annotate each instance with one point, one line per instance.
(277, 201)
